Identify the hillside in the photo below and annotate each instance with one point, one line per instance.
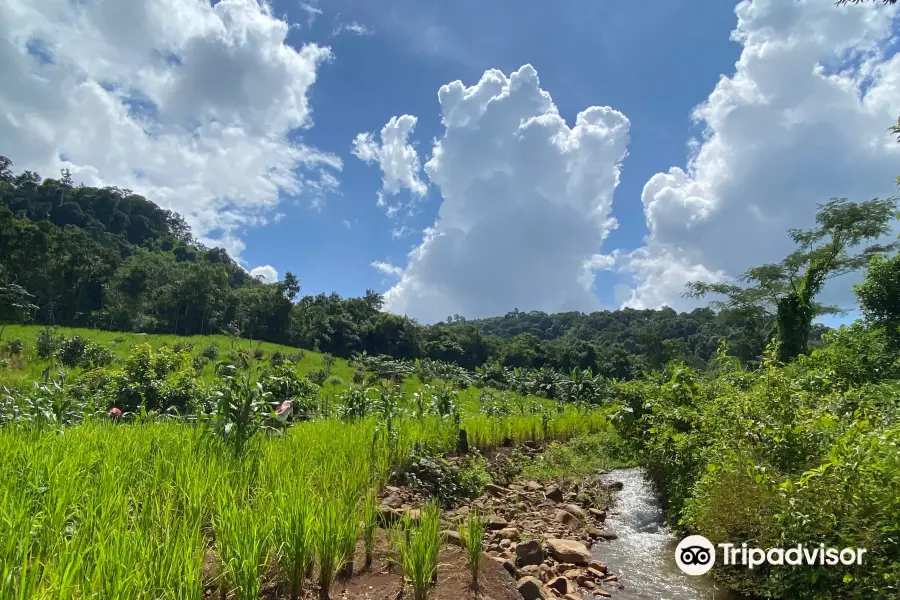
(107, 258)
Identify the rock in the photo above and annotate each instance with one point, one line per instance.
(531, 588)
(602, 534)
(598, 573)
(506, 564)
(533, 486)
(601, 592)
(612, 578)
(387, 515)
(615, 486)
(587, 584)
(598, 514)
(530, 570)
(573, 597)
(529, 553)
(505, 543)
(495, 522)
(564, 517)
(553, 493)
(509, 533)
(569, 551)
(573, 574)
(453, 537)
(561, 585)
(394, 501)
(495, 490)
(575, 511)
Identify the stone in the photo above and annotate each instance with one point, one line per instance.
(453, 537)
(599, 574)
(495, 523)
(598, 514)
(575, 511)
(611, 578)
(529, 553)
(509, 533)
(615, 486)
(505, 543)
(573, 574)
(533, 486)
(553, 493)
(394, 501)
(604, 534)
(569, 551)
(587, 584)
(573, 597)
(560, 584)
(564, 517)
(531, 588)
(506, 564)
(530, 570)
(601, 592)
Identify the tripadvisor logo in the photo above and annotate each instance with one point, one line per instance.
(696, 555)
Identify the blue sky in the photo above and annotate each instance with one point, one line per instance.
(617, 54)
(578, 155)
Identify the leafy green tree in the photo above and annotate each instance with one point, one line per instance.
(879, 295)
(784, 293)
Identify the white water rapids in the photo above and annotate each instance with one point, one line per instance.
(643, 556)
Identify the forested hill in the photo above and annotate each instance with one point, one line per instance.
(110, 259)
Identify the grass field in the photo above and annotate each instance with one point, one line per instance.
(157, 508)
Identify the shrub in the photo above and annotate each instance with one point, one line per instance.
(46, 343)
(96, 356)
(284, 383)
(210, 351)
(72, 351)
(276, 359)
(14, 346)
(183, 346)
(318, 377)
(258, 354)
(153, 379)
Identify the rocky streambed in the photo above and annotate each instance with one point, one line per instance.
(598, 537)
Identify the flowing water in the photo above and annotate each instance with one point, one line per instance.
(643, 556)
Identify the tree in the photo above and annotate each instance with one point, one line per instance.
(879, 295)
(785, 292)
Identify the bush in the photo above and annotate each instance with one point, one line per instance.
(71, 352)
(210, 352)
(183, 346)
(284, 383)
(14, 346)
(318, 377)
(96, 356)
(153, 379)
(46, 343)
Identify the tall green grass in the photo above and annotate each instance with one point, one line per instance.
(471, 532)
(418, 549)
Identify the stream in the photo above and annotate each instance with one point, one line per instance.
(643, 556)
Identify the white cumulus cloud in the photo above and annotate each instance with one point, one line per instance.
(266, 273)
(183, 101)
(387, 269)
(526, 203)
(397, 158)
(802, 119)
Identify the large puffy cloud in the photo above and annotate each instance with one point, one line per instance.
(526, 203)
(188, 103)
(803, 119)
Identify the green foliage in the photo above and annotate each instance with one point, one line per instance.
(285, 383)
(449, 481)
(879, 295)
(418, 549)
(47, 343)
(14, 346)
(239, 410)
(152, 379)
(578, 458)
(471, 532)
(72, 351)
(294, 533)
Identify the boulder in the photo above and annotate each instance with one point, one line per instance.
(605, 534)
(495, 523)
(615, 486)
(509, 533)
(569, 551)
(533, 486)
(529, 553)
(531, 588)
(575, 511)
